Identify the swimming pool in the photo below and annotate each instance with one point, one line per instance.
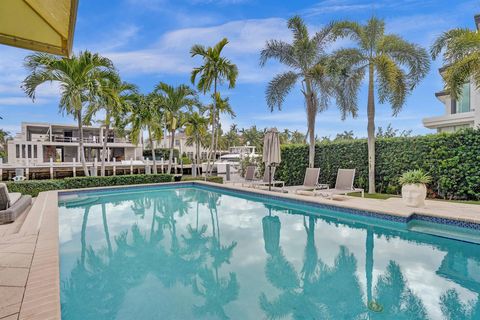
(195, 252)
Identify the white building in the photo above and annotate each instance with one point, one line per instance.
(181, 145)
(461, 113)
(38, 142)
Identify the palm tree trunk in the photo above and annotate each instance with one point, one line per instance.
(197, 156)
(311, 115)
(214, 113)
(80, 143)
(105, 141)
(170, 158)
(153, 151)
(371, 130)
(216, 140)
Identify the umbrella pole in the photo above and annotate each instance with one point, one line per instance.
(269, 177)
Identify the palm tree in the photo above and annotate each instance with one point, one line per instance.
(223, 107)
(196, 127)
(231, 137)
(174, 101)
(320, 78)
(461, 54)
(397, 66)
(79, 78)
(115, 99)
(146, 115)
(215, 70)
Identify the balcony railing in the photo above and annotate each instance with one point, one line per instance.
(94, 139)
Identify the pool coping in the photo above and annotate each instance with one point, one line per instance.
(41, 299)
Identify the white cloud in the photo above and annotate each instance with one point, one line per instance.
(17, 101)
(170, 54)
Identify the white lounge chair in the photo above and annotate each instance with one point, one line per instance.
(310, 182)
(266, 180)
(343, 184)
(249, 175)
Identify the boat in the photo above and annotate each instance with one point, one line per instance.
(233, 158)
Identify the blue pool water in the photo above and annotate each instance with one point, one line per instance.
(199, 253)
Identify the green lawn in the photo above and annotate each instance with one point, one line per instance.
(384, 196)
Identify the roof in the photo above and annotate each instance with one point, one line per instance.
(40, 25)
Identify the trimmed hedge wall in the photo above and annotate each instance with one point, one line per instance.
(161, 153)
(34, 187)
(452, 159)
(215, 179)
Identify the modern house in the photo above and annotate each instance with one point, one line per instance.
(181, 145)
(461, 113)
(37, 143)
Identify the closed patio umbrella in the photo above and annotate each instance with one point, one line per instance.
(271, 152)
(40, 25)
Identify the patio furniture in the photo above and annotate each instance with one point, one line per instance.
(343, 184)
(310, 182)
(266, 181)
(12, 204)
(249, 175)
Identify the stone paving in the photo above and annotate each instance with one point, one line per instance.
(29, 258)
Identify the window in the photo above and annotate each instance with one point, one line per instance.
(463, 102)
(29, 148)
(17, 151)
(35, 151)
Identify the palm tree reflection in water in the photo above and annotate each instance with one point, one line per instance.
(323, 292)
(193, 259)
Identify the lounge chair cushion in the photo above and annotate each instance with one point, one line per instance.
(14, 196)
(10, 214)
(4, 198)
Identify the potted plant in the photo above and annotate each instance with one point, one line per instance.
(414, 190)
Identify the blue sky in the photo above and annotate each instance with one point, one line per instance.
(149, 41)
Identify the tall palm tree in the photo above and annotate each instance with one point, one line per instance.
(320, 78)
(79, 79)
(231, 137)
(223, 107)
(175, 101)
(196, 127)
(215, 70)
(145, 114)
(396, 65)
(116, 99)
(461, 54)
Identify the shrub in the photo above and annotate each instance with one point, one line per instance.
(34, 187)
(414, 177)
(215, 179)
(451, 159)
(161, 153)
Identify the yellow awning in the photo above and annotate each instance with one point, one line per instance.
(40, 25)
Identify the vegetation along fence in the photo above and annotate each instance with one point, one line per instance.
(452, 159)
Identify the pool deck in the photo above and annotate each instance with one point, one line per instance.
(29, 258)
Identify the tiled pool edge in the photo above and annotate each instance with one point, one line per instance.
(299, 199)
(42, 293)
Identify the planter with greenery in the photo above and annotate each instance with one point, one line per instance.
(414, 189)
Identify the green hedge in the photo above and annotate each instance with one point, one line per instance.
(161, 153)
(452, 159)
(34, 187)
(215, 179)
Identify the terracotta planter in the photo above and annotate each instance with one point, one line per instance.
(414, 195)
